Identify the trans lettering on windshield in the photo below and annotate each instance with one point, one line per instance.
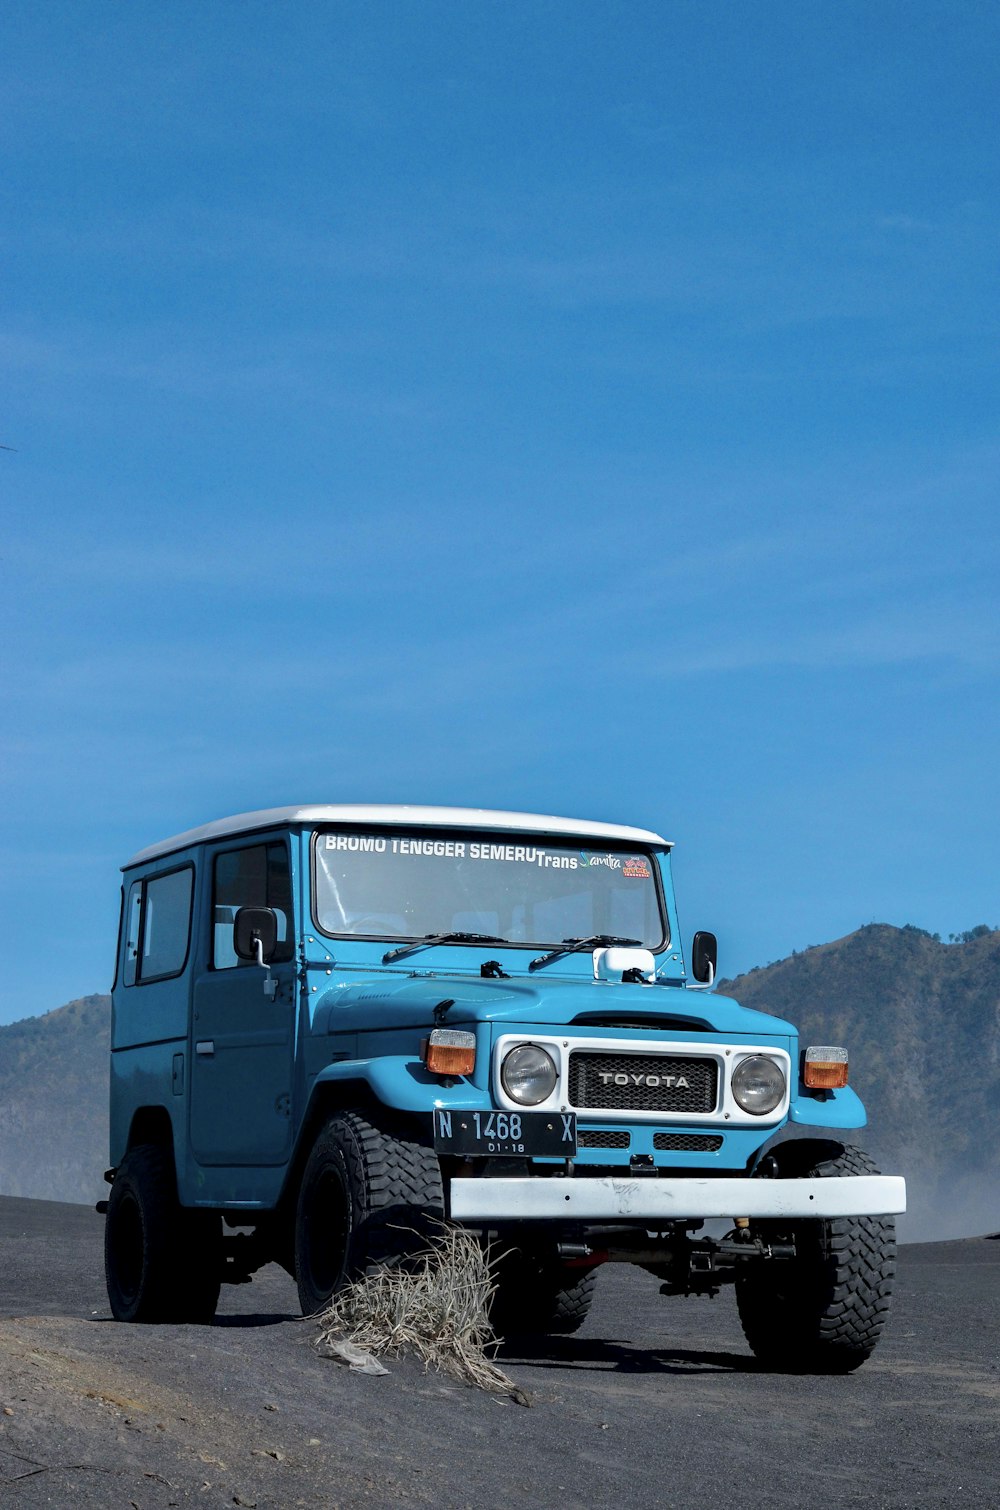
(523, 854)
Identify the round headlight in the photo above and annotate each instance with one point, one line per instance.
(528, 1074)
(758, 1084)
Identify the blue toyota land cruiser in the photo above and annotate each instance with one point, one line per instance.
(335, 1027)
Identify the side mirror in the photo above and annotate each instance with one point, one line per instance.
(704, 957)
(255, 933)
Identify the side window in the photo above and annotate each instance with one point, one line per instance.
(166, 925)
(157, 926)
(133, 910)
(121, 929)
(254, 877)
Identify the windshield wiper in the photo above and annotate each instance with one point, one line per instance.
(430, 939)
(574, 946)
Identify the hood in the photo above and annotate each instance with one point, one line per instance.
(386, 1003)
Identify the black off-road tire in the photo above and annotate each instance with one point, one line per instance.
(162, 1261)
(571, 1304)
(537, 1296)
(371, 1196)
(823, 1311)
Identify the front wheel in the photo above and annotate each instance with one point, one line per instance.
(371, 1196)
(162, 1262)
(822, 1311)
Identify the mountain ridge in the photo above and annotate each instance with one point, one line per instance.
(920, 1018)
(921, 1021)
(54, 1096)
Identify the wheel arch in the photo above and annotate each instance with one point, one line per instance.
(150, 1124)
(795, 1156)
(329, 1097)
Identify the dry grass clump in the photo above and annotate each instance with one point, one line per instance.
(438, 1311)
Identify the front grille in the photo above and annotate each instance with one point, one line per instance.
(604, 1139)
(641, 1082)
(688, 1142)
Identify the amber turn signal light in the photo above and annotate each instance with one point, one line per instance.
(448, 1051)
(824, 1068)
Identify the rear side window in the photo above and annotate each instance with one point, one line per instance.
(158, 926)
(257, 876)
(133, 914)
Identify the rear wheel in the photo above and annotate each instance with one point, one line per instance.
(162, 1261)
(822, 1311)
(371, 1195)
(537, 1295)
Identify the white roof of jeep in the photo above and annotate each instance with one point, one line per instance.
(398, 816)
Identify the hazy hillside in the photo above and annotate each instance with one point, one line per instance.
(54, 1102)
(921, 1020)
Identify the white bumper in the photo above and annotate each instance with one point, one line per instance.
(672, 1200)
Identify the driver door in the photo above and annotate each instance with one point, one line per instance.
(243, 1041)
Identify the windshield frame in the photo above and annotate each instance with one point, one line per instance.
(494, 836)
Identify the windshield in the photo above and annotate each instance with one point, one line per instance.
(406, 885)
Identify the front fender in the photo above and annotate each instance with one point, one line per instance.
(841, 1108)
(397, 1083)
(404, 1085)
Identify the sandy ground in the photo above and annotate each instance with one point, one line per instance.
(655, 1403)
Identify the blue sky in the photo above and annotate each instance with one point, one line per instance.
(589, 408)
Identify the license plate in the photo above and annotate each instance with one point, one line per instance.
(506, 1134)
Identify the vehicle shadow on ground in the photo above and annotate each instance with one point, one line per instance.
(622, 1357)
(239, 1319)
(257, 1318)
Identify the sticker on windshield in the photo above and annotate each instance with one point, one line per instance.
(453, 849)
(636, 868)
(613, 862)
(367, 843)
(379, 844)
(523, 854)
